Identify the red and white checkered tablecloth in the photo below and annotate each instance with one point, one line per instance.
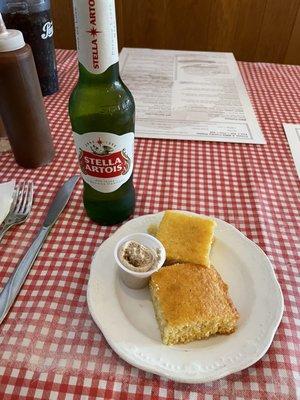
(50, 348)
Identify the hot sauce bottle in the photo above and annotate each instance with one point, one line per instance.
(21, 103)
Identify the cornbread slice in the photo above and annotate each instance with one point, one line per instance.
(191, 302)
(152, 229)
(186, 238)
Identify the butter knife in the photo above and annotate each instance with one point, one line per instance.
(17, 278)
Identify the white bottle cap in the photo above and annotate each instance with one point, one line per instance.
(10, 39)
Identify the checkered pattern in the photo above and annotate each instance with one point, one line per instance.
(49, 346)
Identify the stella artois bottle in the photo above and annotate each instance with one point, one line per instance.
(102, 111)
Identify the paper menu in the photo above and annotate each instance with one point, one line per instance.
(292, 132)
(189, 95)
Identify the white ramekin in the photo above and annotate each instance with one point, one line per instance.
(133, 279)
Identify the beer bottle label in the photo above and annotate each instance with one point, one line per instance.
(105, 159)
(96, 34)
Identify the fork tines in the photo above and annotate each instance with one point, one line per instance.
(22, 198)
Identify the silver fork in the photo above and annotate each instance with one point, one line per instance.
(20, 207)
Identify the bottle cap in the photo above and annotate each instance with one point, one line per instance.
(10, 39)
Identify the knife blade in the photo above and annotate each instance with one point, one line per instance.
(60, 201)
(17, 278)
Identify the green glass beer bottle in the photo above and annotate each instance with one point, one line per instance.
(102, 111)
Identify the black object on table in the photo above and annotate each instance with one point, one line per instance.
(33, 19)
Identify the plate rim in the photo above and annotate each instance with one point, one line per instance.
(196, 378)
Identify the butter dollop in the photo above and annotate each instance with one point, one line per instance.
(137, 257)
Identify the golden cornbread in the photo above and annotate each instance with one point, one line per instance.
(186, 238)
(152, 229)
(191, 302)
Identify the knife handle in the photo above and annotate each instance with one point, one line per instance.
(17, 278)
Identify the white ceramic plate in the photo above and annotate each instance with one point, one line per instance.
(126, 316)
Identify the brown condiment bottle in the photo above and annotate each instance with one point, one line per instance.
(21, 103)
(2, 129)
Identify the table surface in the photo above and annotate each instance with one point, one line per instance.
(49, 345)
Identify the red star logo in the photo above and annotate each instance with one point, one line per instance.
(93, 32)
